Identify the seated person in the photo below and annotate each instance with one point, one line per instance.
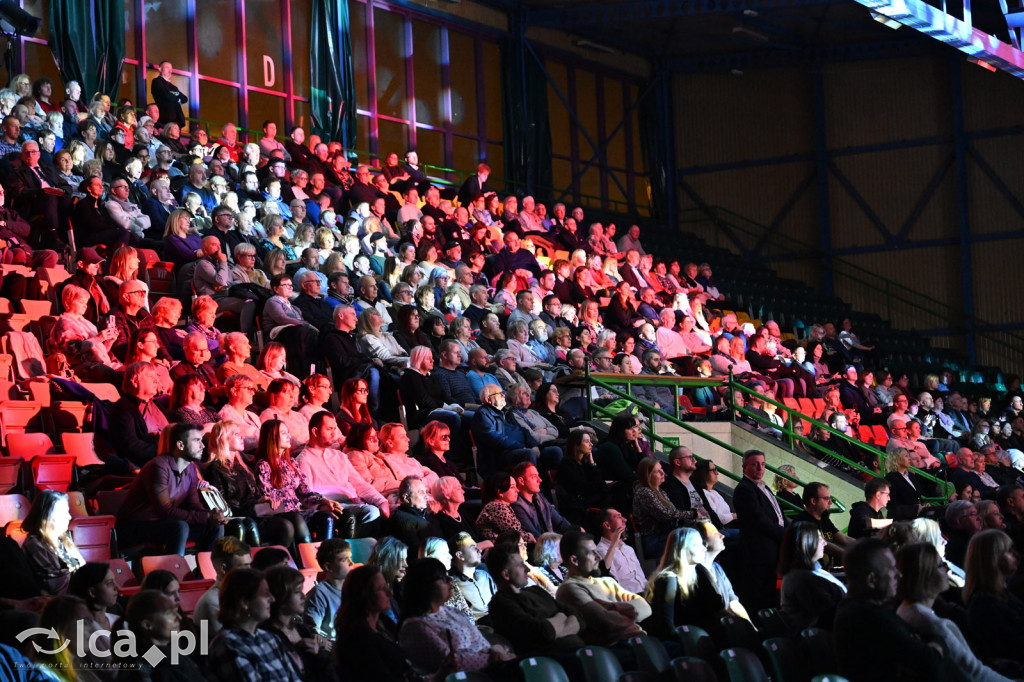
(809, 593)
(49, 548)
(135, 422)
(163, 502)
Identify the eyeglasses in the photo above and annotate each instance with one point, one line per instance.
(358, 390)
(494, 394)
(132, 293)
(286, 285)
(445, 437)
(322, 386)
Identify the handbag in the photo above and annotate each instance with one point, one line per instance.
(212, 500)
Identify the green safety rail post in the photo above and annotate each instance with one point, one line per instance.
(794, 435)
(588, 378)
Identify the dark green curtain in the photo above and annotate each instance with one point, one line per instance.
(87, 40)
(657, 145)
(332, 92)
(525, 121)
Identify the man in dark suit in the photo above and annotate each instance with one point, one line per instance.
(167, 97)
(91, 221)
(41, 196)
(761, 525)
(475, 185)
(631, 271)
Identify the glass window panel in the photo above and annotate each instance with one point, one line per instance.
(616, 149)
(561, 173)
(465, 155)
(300, 117)
(463, 78)
(363, 137)
(586, 110)
(263, 45)
(215, 27)
(492, 91)
(180, 82)
(643, 200)
(590, 184)
(426, 59)
(389, 42)
(167, 33)
(617, 201)
(558, 116)
(302, 15)
(496, 160)
(127, 88)
(219, 104)
(129, 30)
(357, 18)
(430, 147)
(264, 107)
(638, 161)
(393, 137)
(38, 63)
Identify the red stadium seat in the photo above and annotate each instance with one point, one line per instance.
(122, 573)
(28, 445)
(19, 416)
(83, 447)
(190, 591)
(14, 531)
(53, 472)
(307, 553)
(204, 562)
(169, 562)
(92, 534)
(13, 508)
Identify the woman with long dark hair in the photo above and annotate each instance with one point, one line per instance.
(364, 652)
(619, 456)
(498, 493)
(809, 593)
(51, 552)
(354, 398)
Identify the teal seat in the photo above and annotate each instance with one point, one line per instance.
(650, 654)
(786, 661)
(743, 666)
(541, 669)
(599, 664)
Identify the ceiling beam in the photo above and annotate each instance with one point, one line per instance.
(760, 59)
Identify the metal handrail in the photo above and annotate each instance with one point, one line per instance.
(734, 385)
(838, 507)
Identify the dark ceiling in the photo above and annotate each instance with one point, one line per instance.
(721, 34)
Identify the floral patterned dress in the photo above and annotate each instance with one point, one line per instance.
(293, 494)
(497, 517)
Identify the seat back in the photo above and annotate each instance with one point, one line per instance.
(103, 391)
(204, 562)
(361, 548)
(35, 309)
(308, 578)
(28, 445)
(14, 531)
(771, 623)
(541, 669)
(690, 669)
(19, 416)
(784, 655)
(53, 472)
(94, 536)
(818, 651)
(599, 664)
(864, 434)
(881, 436)
(76, 501)
(10, 474)
(739, 633)
(109, 501)
(69, 415)
(696, 642)
(122, 573)
(83, 447)
(743, 666)
(650, 655)
(307, 554)
(169, 562)
(191, 591)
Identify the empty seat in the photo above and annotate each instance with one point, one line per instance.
(28, 445)
(103, 391)
(10, 474)
(19, 416)
(83, 447)
(541, 669)
(307, 554)
(93, 536)
(109, 501)
(690, 669)
(204, 563)
(53, 472)
(599, 664)
(743, 666)
(76, 501)
(174, 563)
(69, 415)
(190, 592)
(35, 309)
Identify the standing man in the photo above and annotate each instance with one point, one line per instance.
(167, 97)
(761, 525)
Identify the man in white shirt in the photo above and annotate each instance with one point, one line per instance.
(228, 553)
(329, 473)
(668, 339)
(619, 558)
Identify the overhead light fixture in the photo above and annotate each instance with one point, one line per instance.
(757, 35)
(750, 12)
(982, 63)
(736, 72)
(885, 21)
(595, 46)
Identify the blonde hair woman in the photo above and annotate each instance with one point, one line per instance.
(682, 590)
(182, 242)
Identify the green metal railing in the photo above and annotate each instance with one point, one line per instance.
(796, 434)
(613, 383)
(609, 382)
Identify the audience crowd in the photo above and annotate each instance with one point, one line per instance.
(301, 351)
